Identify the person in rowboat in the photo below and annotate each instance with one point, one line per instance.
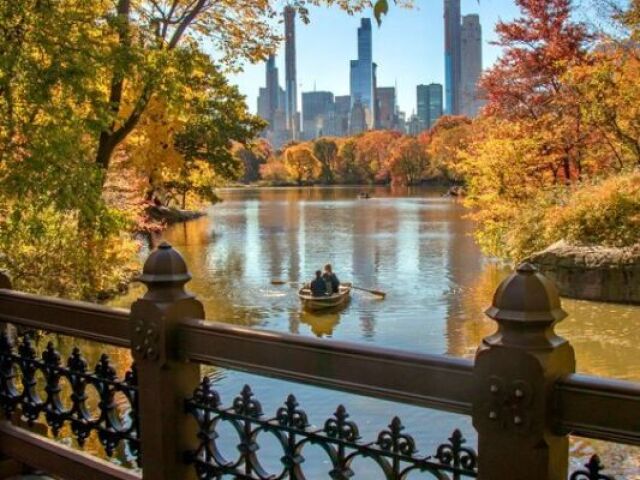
(318, 286)
(333, 284)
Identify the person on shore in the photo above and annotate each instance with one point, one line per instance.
(333, 284)
(318, 286)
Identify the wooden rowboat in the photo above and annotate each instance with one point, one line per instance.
(313, 304)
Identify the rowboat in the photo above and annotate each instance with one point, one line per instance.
(313, 304)
(364, 195)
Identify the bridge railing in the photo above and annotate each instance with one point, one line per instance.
(521, 392)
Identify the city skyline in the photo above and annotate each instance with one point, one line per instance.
(321, 65)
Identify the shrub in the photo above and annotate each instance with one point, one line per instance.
(46, 252)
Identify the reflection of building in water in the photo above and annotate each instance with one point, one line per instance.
(368, 324)
(253, 254)
(271, 217)
(363, 251)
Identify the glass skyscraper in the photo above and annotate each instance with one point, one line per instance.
(429, 104)
(471, 47)
(452, 55)
(362, 88)
(291, 87)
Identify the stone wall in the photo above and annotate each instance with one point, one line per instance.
(592, 273)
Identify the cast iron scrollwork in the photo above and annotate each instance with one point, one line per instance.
(33, 386)
(394, 451)
(591, 471)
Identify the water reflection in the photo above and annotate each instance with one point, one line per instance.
(322, 324)
(413, 244)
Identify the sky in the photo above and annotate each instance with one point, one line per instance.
(408, 48)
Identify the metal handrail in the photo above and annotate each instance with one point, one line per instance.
(77, 319)
(434, 381)
(601, 408)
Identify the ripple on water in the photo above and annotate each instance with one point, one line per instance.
(414, 245)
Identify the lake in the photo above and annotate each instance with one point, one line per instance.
(413, 244)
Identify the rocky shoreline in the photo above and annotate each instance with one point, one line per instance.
(595, 273)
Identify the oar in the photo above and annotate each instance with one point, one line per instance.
(284, 282)
(373, 292)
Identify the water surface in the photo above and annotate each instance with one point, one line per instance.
(415, 245)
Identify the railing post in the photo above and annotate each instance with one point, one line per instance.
(515, 372)
(5, 280)
(164, 379)
(7, 328)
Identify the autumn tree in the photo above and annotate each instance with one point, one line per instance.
(372, 152)
(525, 85)
(326, 151)
(301, 163)
(408, 162)
(346, 166)
(252, 157)
(607, 92)
(448, 137)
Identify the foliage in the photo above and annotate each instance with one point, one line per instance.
(251, 158)
(605, 213)
(407, 162)
(525, 85)
(274, 172)
(326, 151)
(46, 253)
(448, 137)
(372, 152)
(607, 91)
(301, 164)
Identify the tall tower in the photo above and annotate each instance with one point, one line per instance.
(452, 55)
(291, 88)
(272, 89)
(362, 77)
(471, 48)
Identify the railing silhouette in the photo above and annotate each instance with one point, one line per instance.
(521, 392)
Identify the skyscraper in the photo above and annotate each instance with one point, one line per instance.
(452, 55)
(342, 109)
(317, 112)
(386, 108)
(272, 89)
(429, 99)
(436, 106)
(471, 48)
(362, 78)
(271, 105)
(291, 89)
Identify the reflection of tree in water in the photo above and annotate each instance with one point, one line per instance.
(475, 299)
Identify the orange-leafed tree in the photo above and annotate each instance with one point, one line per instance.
(326, 151)
(525, 85)
(372, 153)
(301, 164)
(407, 162)
(449, 137)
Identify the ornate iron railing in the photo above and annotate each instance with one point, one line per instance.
(394, 451)
(115, 424)
(592, 471)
